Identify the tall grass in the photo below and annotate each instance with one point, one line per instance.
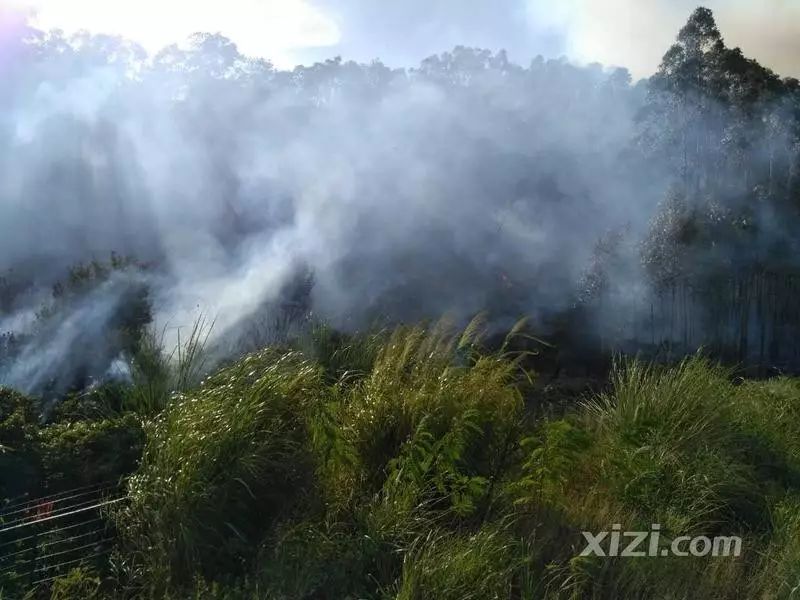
(220, 463)
(433, 408)
(484, 565)
(404, 464)
(158, 372)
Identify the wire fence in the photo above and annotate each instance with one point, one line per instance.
(44, 538)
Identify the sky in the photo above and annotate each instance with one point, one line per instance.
(631, 33)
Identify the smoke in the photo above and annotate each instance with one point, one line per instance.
(76, 345)
(470, 182)
(403, 33)
(629, 33)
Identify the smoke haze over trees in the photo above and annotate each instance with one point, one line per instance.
(663, 211)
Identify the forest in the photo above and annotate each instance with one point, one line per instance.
(357, 331)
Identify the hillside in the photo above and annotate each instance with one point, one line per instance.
(224, 366)
(412, 464)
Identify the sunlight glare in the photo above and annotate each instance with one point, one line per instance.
(268, 28)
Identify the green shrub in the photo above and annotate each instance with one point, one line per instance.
(553, 455)
(20, 463)
(434, 418)
(78, 583)
(105, 401)
(365, 464)
(687, 405)
(343, 357)
(81, 453)
(326, 559)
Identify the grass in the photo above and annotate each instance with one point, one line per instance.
(157, 374)
(672, 447)
(231, 454)
(409, 464)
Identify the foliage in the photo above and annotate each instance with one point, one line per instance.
(221, 464)
(78, 583)
(83, 453)
(19, 462)
(553, 455)
(423, 478)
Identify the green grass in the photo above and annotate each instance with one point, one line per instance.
(157, 373)
(410, 464)
(220, 464)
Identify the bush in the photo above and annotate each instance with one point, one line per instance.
(435, 419)
(82, 453)
(78, 583)
(19, 460)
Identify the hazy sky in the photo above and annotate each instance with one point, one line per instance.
(632, 33)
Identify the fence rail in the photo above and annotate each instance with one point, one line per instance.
(44, 538)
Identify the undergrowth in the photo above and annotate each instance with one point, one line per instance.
(409, 464)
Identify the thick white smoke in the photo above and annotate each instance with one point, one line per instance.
(470, 182)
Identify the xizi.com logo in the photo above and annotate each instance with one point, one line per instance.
(650, 543)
